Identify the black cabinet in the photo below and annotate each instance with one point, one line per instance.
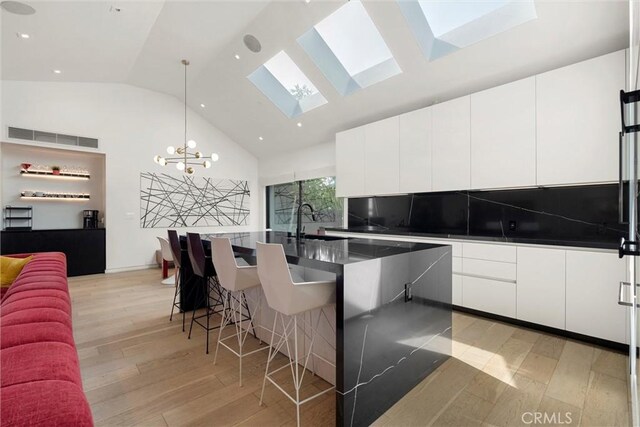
(85, 248)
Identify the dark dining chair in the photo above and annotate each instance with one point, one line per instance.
(176, 251)
(203, 269)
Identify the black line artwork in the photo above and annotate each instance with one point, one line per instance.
(188, 201)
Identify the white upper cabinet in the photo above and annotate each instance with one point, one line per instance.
(415, 151)
(350, 163)
(381, 156)
(503, 136)
(578, 120)
(451, 148)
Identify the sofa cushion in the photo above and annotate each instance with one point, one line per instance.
(26, 293)
(45, 403)
(38, 362)
(28, 333)
(36, 315)
(36, 302)
(10, 268)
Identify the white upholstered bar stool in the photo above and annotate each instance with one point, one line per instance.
(235, 281)
(291, 301)
(167, 257)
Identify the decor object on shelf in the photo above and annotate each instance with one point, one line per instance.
(25, 166)
(49, 173)
(55, 170)
(187, 160)
(39, 195)
(186, 201)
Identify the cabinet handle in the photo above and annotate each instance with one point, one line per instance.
(620, 180)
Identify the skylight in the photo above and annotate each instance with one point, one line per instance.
(286, 86)
(349, 50)
(444, 27)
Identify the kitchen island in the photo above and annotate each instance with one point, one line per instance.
(393, 313)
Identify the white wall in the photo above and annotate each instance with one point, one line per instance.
(48, 214)
(132, 125)
(307, 163)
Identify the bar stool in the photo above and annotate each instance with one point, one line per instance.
(203, 268)
(235, 280)
(291, 300)
(167, 257)
(176, 251)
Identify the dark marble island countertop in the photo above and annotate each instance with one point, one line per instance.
(328, 255)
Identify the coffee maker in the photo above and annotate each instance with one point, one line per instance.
(90, 219)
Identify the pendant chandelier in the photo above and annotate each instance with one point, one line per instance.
(186, 160)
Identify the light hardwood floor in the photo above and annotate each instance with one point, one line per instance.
(140, 369)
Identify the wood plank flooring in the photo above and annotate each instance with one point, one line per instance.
(140, 369)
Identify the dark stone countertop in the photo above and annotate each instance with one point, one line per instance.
(480, 239)
(329, 255)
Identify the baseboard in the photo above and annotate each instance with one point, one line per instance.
(134, 268)
(623, 348)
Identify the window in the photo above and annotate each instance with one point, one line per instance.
(442, 27)
(320, 193)
(349, 50)
(286, 86)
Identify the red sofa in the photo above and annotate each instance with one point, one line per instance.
(39, 371)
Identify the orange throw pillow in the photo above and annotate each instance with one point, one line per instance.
(10, 268)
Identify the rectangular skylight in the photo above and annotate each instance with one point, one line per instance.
(349, 50)
(442, 27)
(280, 80)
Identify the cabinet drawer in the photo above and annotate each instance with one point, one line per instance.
(456, 246)
(490, 269)
(456, 263)
(500, 253)
(488, 295)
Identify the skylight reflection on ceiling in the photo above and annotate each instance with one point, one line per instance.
(442, 27)
(349, 50)
(280, 80)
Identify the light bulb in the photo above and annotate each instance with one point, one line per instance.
(215, 157)
(180, 166)
(191, 143)
(190, 170)
(198, 154)
(163, 161)
(207, 164)
(156, 159)
(171, 150)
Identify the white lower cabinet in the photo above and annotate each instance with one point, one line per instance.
(541, 286)
(492, 296)
(592, 295)
(456, 284)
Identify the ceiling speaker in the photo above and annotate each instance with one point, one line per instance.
(17, 8)
(252, 43)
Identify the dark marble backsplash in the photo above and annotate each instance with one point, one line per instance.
(580, 213)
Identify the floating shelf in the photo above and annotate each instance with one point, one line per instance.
(49, 174)
(57, 196)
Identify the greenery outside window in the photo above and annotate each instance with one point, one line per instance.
(320, 193)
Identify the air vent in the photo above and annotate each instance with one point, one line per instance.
(55, 138)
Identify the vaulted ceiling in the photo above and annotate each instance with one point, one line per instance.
(142, 45)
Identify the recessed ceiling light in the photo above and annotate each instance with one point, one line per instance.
(299, 124)
(237, 56)
(307, 1)
(57, 71)
(22, 35)
(261, 138)
(17, 8)
(202, 105)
